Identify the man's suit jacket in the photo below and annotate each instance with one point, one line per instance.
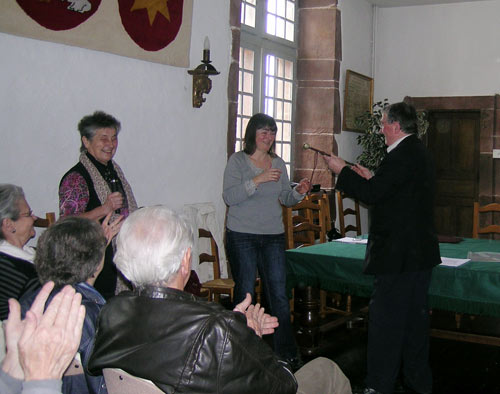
(400, 197)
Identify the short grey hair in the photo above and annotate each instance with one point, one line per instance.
(10, 195)
(151, 244)
(89, 125)
(70, 251)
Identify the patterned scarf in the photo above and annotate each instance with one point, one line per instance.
(102, 188)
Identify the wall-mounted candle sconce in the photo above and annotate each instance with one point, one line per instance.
(201, 81)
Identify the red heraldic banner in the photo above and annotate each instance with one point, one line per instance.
(152, 30)
(151, 24)
(59, 15)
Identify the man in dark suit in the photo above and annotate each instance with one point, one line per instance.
(401, 252)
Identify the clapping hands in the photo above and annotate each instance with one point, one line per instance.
(43, 344)
(259, 321)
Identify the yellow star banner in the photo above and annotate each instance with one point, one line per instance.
(152, 30)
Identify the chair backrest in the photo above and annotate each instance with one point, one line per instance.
(120, 382)
(214, 256)
(325, 208)
(304, 224)
(343, 212)
(75, 368)
(488, 229)
(50, 218)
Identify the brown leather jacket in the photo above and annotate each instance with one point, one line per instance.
(186, 345)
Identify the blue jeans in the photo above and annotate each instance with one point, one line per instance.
(265, 252)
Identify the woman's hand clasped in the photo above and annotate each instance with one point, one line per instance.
(269, 175)
(304, 186)
(114, 202)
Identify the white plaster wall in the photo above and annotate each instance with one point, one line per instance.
(171, 153)
(438, 50)
(357, 38)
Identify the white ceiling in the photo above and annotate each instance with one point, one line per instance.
(405, 3)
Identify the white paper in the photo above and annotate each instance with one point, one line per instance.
(351, 240)
(453, 262)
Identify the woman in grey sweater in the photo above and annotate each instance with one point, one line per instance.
(255, 183)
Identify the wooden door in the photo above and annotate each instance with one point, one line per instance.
(453, 139)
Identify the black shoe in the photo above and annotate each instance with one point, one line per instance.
(358, 389)
(368, 390)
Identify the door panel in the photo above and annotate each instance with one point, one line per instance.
(453, 139)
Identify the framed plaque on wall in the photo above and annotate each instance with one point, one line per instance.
(358, 98)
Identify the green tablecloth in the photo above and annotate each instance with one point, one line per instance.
(473, 287)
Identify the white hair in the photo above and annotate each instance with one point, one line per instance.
(151, 244)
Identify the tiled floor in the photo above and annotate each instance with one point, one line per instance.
(458, 368)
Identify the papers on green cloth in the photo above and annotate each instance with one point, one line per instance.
(350, 240)
(453, 262)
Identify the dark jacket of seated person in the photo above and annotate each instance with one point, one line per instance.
(71, 252)
(184, 344)
(181, 343)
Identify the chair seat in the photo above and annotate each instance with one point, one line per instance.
(221, 283)
(120, 382)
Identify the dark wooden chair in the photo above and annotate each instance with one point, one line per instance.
(50, 218)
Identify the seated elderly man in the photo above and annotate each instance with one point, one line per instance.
(184, 344)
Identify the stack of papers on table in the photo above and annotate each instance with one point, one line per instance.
(351, 240)
(453, 262)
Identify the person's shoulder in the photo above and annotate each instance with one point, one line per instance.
(229, 320)
(29, 297)
(278, 161)
(15, 269)
(91, 298)
(73, 175)
(237, 159)
(207, 310)
(12, 260)
(237, 156)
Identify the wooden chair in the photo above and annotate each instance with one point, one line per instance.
(488, 229)
(337, 297)
(343, 212)
(120, 382)
(325, 208)
(75, 368)
(218, 285)
(50, 218)
(305, 223)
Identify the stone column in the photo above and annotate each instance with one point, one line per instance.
(318, 115)
(232, 86)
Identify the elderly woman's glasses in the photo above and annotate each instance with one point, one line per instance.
(27, 214)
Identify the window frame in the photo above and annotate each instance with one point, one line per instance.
(262, 43)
